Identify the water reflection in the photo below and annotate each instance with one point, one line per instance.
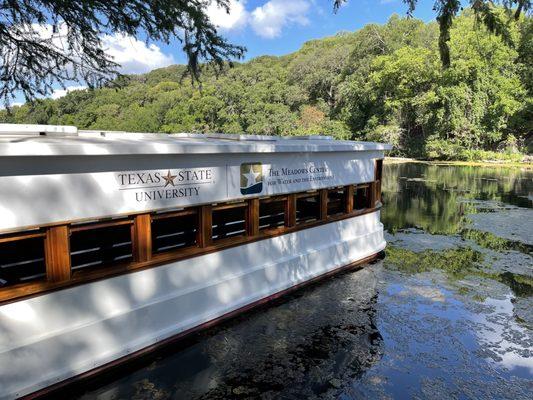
(448, 313)
(436, 198)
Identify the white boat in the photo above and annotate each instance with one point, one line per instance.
(114, 243)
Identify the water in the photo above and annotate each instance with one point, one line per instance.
(447, 314)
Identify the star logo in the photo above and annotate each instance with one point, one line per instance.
(251, 178)
(169, 178)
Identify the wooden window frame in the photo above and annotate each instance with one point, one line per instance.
(229, 206)
(49, 272)
(347, 202)
(286, 209)
(57, 244)
(158, 216)
(137, 241)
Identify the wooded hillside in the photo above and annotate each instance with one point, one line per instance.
(381, 83)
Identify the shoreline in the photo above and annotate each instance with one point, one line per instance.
(500, 164)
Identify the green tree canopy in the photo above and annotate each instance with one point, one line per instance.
(45, 42)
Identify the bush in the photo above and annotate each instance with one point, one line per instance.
(391, 134)
(441, 149)
(482, 155)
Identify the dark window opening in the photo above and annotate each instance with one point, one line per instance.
(379, 169)
(362, 197)
(229, 222)
(174, 232)
(21, 260)
(95, 245)
(336, 201)
(272, 213)
(307, 208)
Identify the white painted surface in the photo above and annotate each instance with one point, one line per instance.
(115, 143)
(52, 337)
(45, 190)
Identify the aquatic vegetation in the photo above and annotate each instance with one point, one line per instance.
(456, 263)
(521, 285)
(493, 242)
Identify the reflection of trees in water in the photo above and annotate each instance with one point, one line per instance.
(429, 196)
(307, 345)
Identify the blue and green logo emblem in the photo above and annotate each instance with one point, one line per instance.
(251, 178)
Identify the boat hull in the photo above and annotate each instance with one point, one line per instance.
(54, 337)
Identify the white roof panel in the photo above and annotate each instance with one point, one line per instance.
(44, 140)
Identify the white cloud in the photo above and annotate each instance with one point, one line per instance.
(57, 93)
(134, 56)
(269, 19)
(13, 104)
(236, 18)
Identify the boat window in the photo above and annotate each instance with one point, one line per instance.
(126, 243)
(379, 175)
(174, 230)
(98, 244)
(307, 207)
(362, 196)
(272, 212)
(379, 169)
(336, 201)
(21, 259)
(229, 221)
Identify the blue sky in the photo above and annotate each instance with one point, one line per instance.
(277, 27)
(264, 27)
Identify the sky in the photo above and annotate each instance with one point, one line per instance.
(264, 27)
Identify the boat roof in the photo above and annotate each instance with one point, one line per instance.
(57, 140)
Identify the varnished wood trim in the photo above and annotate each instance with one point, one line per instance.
(17, 292)
(98, 225)
(273, 199)
(174, 214)
(373, 194)
(323, 204)
(15, 237)
(229, 206)
(348, 207)
(205, 226)
(142, 238)
(290, 214)
(305, 195)
(57, 253)
(252, 220)
(66, 388)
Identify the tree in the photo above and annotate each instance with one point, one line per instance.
(381, 83)
(47, 42)
(485, 10)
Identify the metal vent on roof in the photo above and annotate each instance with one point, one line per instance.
(37, 130)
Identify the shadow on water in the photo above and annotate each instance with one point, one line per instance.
(447, 314)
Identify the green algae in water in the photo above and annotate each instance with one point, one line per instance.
(456, 263)
(521, 285)
(493, 242)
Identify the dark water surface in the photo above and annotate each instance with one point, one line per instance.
(447, 314)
